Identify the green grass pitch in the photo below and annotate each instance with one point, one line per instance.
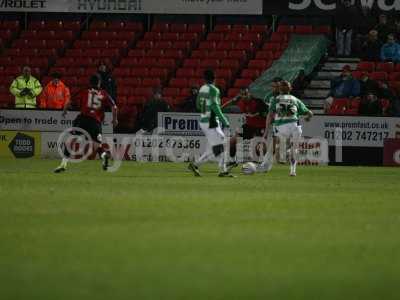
(153, 231)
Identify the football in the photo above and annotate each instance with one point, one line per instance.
(249, 168)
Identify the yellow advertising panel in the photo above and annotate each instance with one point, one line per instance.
(20, 144)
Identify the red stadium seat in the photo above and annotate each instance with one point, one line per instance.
(367, 66)
(259, 28)
(189, 36)
(137, 53)
(209, 45)
(130, 81)
(197, 28)
(75, 26)
(170, 36)
(238, 54)
(173, 53)
(279, 37)
(200, 53)
(185, 72)
(155, 53)
(394, 76)
(303, 29)
(121, 72)
(167, 63)
(338, 106)
(222, 28)
(285, 29)
(252, 37)
(272, 46)
(232, 92)
(220, 83)
(265, 55)
(210, 63)
(151, 82)
(244, 45)
(118, 44)
(241, 28)
(258, 64)
(386, 67)
(242, 83)
(161, 73)
(178, 82)
(218, 54)
(182, 45)
(152, 36)
(250, 73)
(140, 72)
(215, 36)
(143, 91)
(378, 76)
(145, 44)
(357, 74)
(224, 74)
(191, 63)
(160, 27)
(225, 45)
(171, 92)
(163, 44)
(178, 27)
(98, 24)
(233, 36)
(230, 64)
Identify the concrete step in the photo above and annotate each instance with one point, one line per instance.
(344, 60)
(327, 75)
(314, 103)
(314, 93)
(320, 84)
(335, 66)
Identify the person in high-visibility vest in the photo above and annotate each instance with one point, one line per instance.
(25, 88)
(55, 94)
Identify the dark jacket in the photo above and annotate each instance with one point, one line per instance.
(346, 18)
(150, 112)
(341, 88)
(371, 50)
(108, 84)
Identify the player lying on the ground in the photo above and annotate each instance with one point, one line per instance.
(93, 102)
(285, 111)
(211, 117)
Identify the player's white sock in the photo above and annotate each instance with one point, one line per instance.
(64, 162)
(203, 158)
(293, 165)
(222, 163)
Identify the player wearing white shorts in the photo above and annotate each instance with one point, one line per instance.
(285, 111)
(209, 105)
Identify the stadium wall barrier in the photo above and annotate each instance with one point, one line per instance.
(43, 120)
(392, 153)
(20, 144)
(167, 148)
(353, 131)
(229, 7)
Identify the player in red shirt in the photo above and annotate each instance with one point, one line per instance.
(93, 102)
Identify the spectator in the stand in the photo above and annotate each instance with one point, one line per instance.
(25, 88)
(371, 105)
(55, 94)
(371, 49)
(255, 111)
(107, 81)
(343, 86)
(366, 21)
(384, 28)
(390, 52)
(149, 117)
(396, 29)
(346, 20)
(189, 104)
(368, 86)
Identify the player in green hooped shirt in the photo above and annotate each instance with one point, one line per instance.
(211, 119)
(285, 112)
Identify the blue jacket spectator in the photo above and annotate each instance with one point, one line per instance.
(345, 86)
(391, 50)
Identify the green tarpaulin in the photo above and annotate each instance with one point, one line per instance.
(303, 54)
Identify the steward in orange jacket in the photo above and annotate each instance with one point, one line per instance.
(55, 94)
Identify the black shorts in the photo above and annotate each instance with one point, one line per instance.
(90, 125)
(251, 132)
